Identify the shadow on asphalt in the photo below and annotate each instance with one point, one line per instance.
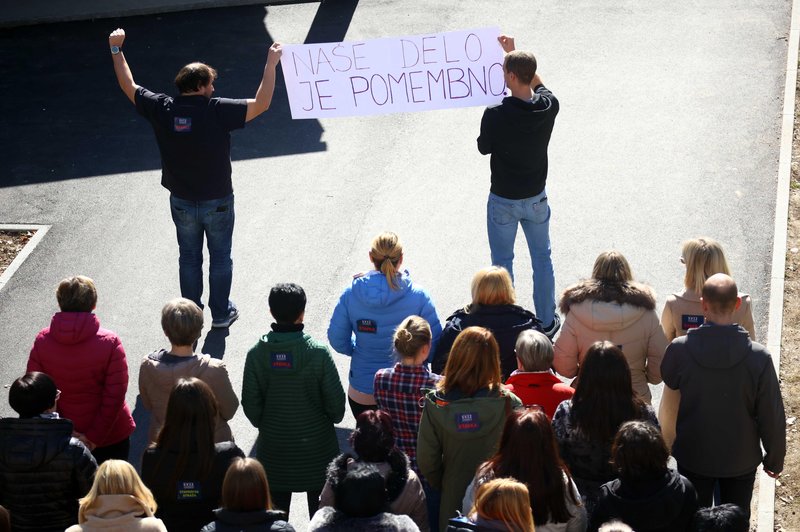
(65, 118)
(214, 343)
(139, 440)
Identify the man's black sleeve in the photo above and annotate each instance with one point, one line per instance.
(670, 364)
(487, 132)
(771, 418)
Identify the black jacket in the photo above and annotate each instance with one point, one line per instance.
(662, 504)
(505, 322)
(43, 472)
(191, 505)
(258, 521)
(730, 402)
(516, 132)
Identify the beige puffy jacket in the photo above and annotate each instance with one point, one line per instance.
(158, 374)
(687, 303)
(623, 314)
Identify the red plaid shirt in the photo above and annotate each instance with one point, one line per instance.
(398, 390)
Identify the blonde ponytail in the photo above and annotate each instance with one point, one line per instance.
(386, 255)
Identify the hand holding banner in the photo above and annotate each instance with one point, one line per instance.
(392, 75)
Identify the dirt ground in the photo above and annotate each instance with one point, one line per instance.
(11, 243)
(787, 515)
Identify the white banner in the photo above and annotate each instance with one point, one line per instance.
(394, 75)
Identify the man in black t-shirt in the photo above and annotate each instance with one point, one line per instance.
(193, 135)
(516, 133)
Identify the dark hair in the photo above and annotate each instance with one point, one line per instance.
(245, 487)
(373, 437)
(528, 452)
(287, 301)
(639, 451)
(194, 76)
(723, 518)
(373, 441)
(362, 492)
(604, 397)
(32, 394)
(189, 428)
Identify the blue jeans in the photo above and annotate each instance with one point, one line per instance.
(214, 219)
(502, 218)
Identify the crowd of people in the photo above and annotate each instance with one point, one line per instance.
(499, 419)
(481, 444)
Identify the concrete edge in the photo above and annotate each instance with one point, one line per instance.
(41, 230)
(14, 13)
(766, 490)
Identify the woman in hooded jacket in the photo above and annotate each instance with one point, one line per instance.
(373, 442)
(493, 307)
(367, 314)
(612, 306)
(463, 418)
(88, 364)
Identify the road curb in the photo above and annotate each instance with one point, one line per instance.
(766, 491)
(14, 13)
(41, 230)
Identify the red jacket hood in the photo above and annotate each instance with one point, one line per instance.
(73, 327)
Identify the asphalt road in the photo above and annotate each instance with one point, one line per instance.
(669, 129)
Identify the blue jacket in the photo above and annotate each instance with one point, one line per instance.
(365, 318)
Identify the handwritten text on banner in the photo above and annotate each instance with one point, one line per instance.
(393, 75)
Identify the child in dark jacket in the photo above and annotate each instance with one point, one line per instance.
(292, 393)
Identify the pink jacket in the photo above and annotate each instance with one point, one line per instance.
(88, 365)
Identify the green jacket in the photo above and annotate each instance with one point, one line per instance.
(456, 435)
(292, 393)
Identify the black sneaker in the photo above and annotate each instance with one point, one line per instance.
(551, 330)
(233, 315)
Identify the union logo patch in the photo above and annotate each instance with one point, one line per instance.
(691, 321)
(467, 422)
(281, 360)
(182, 124)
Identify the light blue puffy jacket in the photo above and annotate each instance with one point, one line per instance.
(365, 318)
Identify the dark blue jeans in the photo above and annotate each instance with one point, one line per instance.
(212, 219)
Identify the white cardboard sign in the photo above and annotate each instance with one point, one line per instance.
(394, 75)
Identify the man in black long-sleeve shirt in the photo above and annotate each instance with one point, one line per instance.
(516, 133)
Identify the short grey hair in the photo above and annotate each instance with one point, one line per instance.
(534, 350)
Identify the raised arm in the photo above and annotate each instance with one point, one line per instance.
(508, 45)
(259, 104)
(121, 68)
